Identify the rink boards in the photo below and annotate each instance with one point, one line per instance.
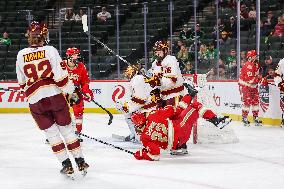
(224, 97)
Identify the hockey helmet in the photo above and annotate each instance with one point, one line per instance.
(161, 46)
(138, 119)
(131, 70)
(251, 53)
(71, 51)
(37, 32)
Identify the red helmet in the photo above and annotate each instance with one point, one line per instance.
(251, 53)
(71, 51)
(138, 119)
(161, 46)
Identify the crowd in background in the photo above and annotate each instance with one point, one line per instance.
(184, 47)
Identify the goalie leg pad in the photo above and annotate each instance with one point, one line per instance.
(56, 143)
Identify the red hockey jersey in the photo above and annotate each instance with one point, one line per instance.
(80, 77)
(249, 75)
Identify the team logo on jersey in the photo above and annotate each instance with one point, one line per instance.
(118, 93)
(264, 97)
(34, 56)
(74, 77)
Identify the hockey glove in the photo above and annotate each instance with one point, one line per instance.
(156, 95)
(281, 86)
(153, 81)
(143, 155)
(73, 99)
(87, 93)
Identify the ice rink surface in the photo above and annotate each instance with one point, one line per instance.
(26, 162)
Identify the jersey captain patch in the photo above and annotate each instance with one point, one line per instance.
(34, 56)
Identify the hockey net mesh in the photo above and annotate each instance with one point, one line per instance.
(205, 132)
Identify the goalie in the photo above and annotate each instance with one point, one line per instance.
(170, 128)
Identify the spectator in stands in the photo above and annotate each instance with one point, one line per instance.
(212, 74)
(69, 16)
(222, 72)
(244, 12)
(211, 52)
(233, 70)
(225, 39)
(268, 62)
(252, 12)
(104, 15)
(176, 48)
(183, 54)
(271, 20)
(5, 40)
(185, 33)
(271, 72)
(232, 28)
(264, 28)
(221, 26)
(279, 28)
(233, 4)
(78, 17)
(202, 52)
(199, 33)
(187, 68)
(243, 56)
(232, 57)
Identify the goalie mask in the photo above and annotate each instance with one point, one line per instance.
(161, 49)
(73, 55)
(131, 71)
(37, 33)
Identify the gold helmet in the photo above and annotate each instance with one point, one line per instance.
(161, 46)
(130, 71)
(37, 32)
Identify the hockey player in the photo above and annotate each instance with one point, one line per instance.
(278, 79)
(248, 83)
(140, 99)
(79, 75)
(44, 79)
(166, 74)
(170, 128)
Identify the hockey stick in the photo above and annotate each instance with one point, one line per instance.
(106, 143)
(11, 90)
(108, 112)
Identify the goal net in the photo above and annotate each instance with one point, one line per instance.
(205, 132)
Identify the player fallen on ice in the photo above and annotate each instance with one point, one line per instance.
(44, 79)
(140, 99)
(170, 128)
(248, 85)
(80, 77)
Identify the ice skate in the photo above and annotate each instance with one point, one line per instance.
(181, 150)
(220, 122)
(47, 141)
(82, 165)
(67, 169)
(257, 121)
(282, 123)
(246, 122)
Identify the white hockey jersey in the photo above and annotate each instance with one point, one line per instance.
(280, 72)
(140, 98)
(41, 73)
(172, 80)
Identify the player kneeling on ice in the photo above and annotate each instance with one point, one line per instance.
(79, 75)
(170, 128)
(44, 79)
(140, 99)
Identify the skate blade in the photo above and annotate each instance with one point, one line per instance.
(83, 173)
(69, 176)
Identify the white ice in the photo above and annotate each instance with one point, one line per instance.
(26, 162)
